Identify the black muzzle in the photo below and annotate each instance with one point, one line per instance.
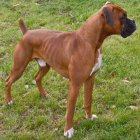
(128, 28)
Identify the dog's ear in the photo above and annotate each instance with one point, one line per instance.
(108, 16)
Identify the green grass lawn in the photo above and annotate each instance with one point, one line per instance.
(117, 85)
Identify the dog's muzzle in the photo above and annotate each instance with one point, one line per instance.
(128, 27)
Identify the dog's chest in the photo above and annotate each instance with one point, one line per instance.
(98, 63)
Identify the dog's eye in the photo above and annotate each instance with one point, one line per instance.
(124, 16)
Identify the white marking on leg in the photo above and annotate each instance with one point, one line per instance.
(10, 102)
(93, 117)
(48, 96)
(41, 62)
(69, 133)
(98, 64)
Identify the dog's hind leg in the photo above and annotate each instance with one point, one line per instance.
(22, 56)
(38, 77)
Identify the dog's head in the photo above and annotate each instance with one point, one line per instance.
(116, 20)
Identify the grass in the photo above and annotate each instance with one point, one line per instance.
(117, 84)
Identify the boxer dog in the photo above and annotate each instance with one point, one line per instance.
(75, 55)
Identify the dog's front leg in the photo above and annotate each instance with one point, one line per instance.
(88, 88)
(72, 97)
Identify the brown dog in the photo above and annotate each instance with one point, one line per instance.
(75, 55)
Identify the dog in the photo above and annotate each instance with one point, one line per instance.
(75, 55)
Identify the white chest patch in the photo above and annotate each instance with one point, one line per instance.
(98, 64)
(41, 62)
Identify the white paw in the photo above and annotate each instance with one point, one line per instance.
(47, 96)
(93, 117)
(10, 102)
(69, 133)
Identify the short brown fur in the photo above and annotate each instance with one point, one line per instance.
(72, 54)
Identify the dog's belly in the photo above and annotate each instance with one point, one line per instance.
(59, 68)
(62, 72)
(59, 64)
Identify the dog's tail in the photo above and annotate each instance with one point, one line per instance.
(22, 26)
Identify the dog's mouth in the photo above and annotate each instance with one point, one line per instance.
(128, 28)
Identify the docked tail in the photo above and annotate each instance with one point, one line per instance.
(22, 26)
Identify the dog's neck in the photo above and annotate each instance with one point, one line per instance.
(93, 30)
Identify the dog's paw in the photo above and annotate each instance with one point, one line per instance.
(93, 117)
(10, 102)
(45, 96)
(69, 133)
